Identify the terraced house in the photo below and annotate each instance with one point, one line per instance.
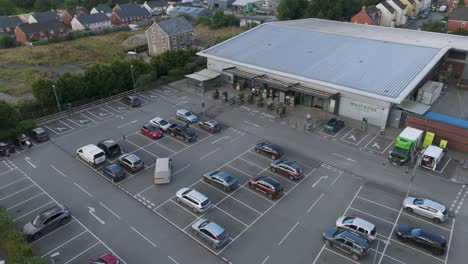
(40, 31)
(128, 13)
(9, 23)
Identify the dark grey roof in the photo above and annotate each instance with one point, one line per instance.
(160, 3)
(373, 12)
(41, 26)
(131, 10)
(103, 9)
(10, 21)
(175, 26)
(399, 4)
(45, 16)
(459, 13)
(388, 7)
(92, 18)
(78, 12)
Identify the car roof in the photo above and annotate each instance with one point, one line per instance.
(183, 110)
(132, 157)
(108, 142)
(197, 195)
(39, 130)
(113, 167)
(52, 211)
(352, 236)
(157, 119)
(214, 228)
(431, 235)
(223, 174)
(132, 97)
(271, 181)
(212, 121)
(433, 204)
(360, 222)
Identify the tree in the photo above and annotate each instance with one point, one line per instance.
(291, 9)
(461, 2)
(43, 92)
(70, 87)
(433, 26)
(6, 8)
(42, 5)
(27, 4)
(98, 80)
(70, 4)
(6, 42)
(8, 115)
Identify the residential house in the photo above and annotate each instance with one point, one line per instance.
(401, 13)
(42, 17)
(242, 4)
(388, 14)
(169, 34)
(410, 7)
(220, 4)
(40, 31)
(106, 10)
(454, 3)
(369, 15)
(458, 19)
(68, 15)
(156, 8)
(93, 22)
(191, 12)
(128, 13)
(418, 6)
(9, 23)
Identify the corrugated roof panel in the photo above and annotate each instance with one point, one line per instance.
(374, 66)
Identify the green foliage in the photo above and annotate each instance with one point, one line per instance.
(461, 2)
(10, 127)
(6, 41)
(220, 20)
(433, 26)
(8, 115)
(460, 31)
(203, 20)
(6, 7)
(43, 92)
(171, 59)
(291, 9)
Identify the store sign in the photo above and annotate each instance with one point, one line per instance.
(364, 107)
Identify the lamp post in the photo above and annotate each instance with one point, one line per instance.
(56, 98)
(133, 78)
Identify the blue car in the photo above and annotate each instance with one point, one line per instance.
(221, 179)
(115, 172)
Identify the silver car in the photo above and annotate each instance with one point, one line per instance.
(357, 225)
(211, 232)
(426, 208)
(198, 202)
(131, 162)
(47, 221)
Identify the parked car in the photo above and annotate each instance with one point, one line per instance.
(267, 185)
(211, 126)
(39, 134)
(426, 208)
(289, 168)
(106, 259)
(47, 221)
(347, 242)
(211, 232)
(334, 125)
(198, 202)
(151, 131)
(115, 172)
(23, 141)
(182, 131)
(221, 179)
(131, 162)
(110, 147)
(272, 150)
(186, 116)
(423, 238)
(91, 154)
(358, 225)
(6, 149)
(132, 100)
(161, 123)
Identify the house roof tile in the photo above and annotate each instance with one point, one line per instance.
(92, 18)
(103, 9)
(131, 10)
(77, 12)
(175, 26)
(399, 4)
(459, 13)
(45, 16)
(10, 21)
(41, 26)
(388, 7)
(159, 3)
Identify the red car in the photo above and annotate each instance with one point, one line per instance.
(106, 259)
(267, 185)
(151, 131)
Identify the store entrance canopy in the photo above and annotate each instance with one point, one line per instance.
(414, 107)
(314, 92)
(203, 75)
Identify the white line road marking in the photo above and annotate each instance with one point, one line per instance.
(318, 255)
(129, 123)
(92, 211)
(57, 170)
(28, 160)
(389, 238)
(145, 238)
(371, 215)
(252, 124)
(206, 155)
(443, 168)
(265, 260)
(63, 244)
(233, 217)
(27, 200)
(181, 103)
(14, 220)
(259, 195)
(186, 166)
(16, 192)
(11, 183)
(415, 249)
(341, 255)
(372, 144)
(367, 200)
(450, 241)
(337, 177)
(81, 188)
(219, 139)
(346, 158)
(251, 163)
(183, 208)
(362, 139)
(316, 201)
(82, 252)
(428, 222)
(286, 236)
(173, 260)
(6, 171)
(378, 252)
(112, 212)
(355, 195)
(50, 233)
(319, 179)
(147, 188)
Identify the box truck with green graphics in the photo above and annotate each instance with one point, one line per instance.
(406, 145)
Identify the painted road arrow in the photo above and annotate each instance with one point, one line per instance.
(92, 211)
(60, 129)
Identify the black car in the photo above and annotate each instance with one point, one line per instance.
(334, 125)
(39, 134)
(183, 131)
(110, 147)
(422, 237)
(132, 100)
(115, 172)
(272, 150)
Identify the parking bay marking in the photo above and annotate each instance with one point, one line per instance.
(287, 234)
(129, 123)
(145, 238)
(14, 220)
(22, 190)
(57, 170)
(63, 244)
(81, 188)
(82, 252)
(50, 233)
(206, 155)
(112, 212)
(173, 260)
(265, 260)
(319, 179)
(415, 249)
(343, 157)
(27, 200)
(316, 201)
(11, 183)
(28, 160)
(371, 215)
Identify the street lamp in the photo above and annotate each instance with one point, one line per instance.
(133, 78)
(56, 98)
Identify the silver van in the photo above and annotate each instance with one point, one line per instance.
(163, 171)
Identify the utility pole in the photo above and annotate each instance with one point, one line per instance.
(56, 98)
(133, 78)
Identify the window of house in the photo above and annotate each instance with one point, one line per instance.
(153, 38)
(163, 41)
(181, 39)
(153, 30)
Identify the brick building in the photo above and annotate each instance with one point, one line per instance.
(369, 15)
(40, 31)
(128, 13)
(169, 34)
(68, 15)
(458, 19)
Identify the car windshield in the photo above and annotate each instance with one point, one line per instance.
(332, 122)
(348, 220)
(163, 122)
(188, 114)
(204, 224)
(189, 131)
(137, 162)
(418, 201)
(37, 221)
(415, 232)
(99, 261)
(151, 128)
(228, 178)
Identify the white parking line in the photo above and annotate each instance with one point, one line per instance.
(50, 233)
(181, 169)
(5, 172)
(63, 244)
(316, 201)
(376, 203)
(173, 260)
(57, 170)
(415, 249)
(27, 200)
(450, 242)
(185, 209)
(112, 212)
(171, 150)
(392, 258)
(14, 220)
(233, 217)
(239, 201)
(354, 197)
(253, 164)
(82, 252)
(206, 155)
(259, 195)
(318, 255)
(425, 221)
(287, 234)
(145, 238)
(389, 238)
(11, 183)
(241, 171)
(219, 139)
(337, 177)
(81, 188)
(22, 190)
(265, 260)
(371, 215)
(341, 255)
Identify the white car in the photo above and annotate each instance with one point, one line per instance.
(198, 202)
(186, 116)
(161, 123)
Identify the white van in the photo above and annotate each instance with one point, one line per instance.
(163, 171)
(91, 154)
(133, 27)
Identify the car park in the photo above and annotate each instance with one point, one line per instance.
(115, 172)
(39, 134)
(161, 123)
(110, 147)
(358, 225)
(220, 179)
(151, 131)
(108, 258)
(272, 150)
(182, 131)
(334, 125)
(131, 162)
(132, 100)
(198, 202)
(186, 116)
(211, 126)
(423, 238)
(91, 154)
(211, 232)
(47, 221)
(288, 168)
(346, 241)
(267, 185)
(427, 208)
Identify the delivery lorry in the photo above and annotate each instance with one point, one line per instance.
(431, 157)
(406, 146)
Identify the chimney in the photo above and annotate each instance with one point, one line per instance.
(363, 8)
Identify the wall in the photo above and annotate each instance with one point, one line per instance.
(361, 108)
(76, 25)
(453, 25)
(387, 17)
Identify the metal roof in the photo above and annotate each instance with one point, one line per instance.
(365, 66)
(191, 10)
